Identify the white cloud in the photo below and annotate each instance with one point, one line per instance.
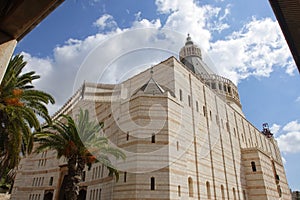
(298, 99)
(292, 126)
(275, 128)
(289, 142)
(289, 138)
(253, 50)
(106, 21)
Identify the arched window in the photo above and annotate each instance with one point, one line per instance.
(222, 192)
(96, 195)
(191, 189)
(253, 166)
(208, 190)
(233, 192)
(152, 187)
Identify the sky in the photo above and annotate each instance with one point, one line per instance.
(109, 40)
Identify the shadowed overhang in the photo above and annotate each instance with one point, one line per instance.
(288, 15)
(19, 17)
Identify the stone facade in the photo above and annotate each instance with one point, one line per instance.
(183, 140)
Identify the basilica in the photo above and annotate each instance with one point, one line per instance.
(184, 134)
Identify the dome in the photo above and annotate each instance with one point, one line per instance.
(189, 49)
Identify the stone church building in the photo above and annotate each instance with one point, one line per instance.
(185, 136)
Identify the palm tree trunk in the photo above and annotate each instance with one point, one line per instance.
(70, 188)
(75, 169)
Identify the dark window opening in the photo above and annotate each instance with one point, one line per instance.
(125, 177)
(153, 138)
(180, 95)
(51, 181)
(152, 183)
(253, 166)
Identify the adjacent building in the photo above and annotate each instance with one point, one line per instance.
(185, 136)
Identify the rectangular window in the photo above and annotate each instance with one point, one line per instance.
(153, 138)
(51, 181)
(197, 106)
(253, 166)
(125, 177)
(152, 183)
(189, 100)
(180, 95)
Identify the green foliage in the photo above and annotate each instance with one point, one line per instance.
(20, 104)
(81, 144)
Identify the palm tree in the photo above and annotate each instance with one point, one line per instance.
(20, 104)
(81, 144)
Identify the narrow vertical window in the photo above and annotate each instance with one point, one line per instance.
(96, 195)
(152, 180)
(125, 177)
(244, 195)
(127, 136)
(253, 166)
(177, 145)
(153, 138)
(189, 100)
(234, 194)
(208, 190)
(96, 173)
(204, 111)
(179, 192)
(180, 95)
(100, 194)
(93, 195)
(197, 106)
(191, 190)
(210, 115)
(222, 192)
(102, 169)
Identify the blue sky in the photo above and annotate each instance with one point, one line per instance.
(242, 38)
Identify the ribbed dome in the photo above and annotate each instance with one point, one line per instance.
(189, 49)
